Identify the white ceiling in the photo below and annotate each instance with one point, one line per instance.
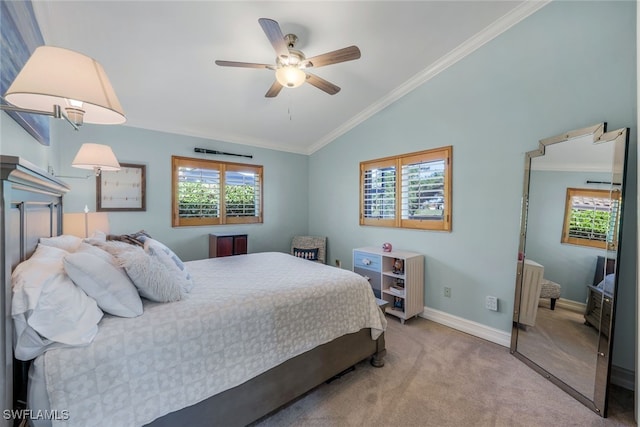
(159, 56)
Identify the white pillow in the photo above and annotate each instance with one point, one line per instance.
(65, 241)
(107, 284)
(171, 261)
(96, 251)
(47, 308)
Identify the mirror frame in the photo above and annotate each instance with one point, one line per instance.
(605, 345)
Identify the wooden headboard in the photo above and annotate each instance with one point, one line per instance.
(31, 208)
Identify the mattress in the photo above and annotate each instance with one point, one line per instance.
(245, 315)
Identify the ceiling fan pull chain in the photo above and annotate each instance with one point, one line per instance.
(289, 108)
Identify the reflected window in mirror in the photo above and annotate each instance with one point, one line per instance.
(590, 218)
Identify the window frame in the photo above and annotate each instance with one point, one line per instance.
(444, 154)
(613, 195)
(222, 168)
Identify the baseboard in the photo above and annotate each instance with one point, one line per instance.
(468, 326)
(623, 377)
(568, 304)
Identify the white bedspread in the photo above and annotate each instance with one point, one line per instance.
(245, 315)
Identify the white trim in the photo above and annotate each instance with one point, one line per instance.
(498, 27)
(468, 326)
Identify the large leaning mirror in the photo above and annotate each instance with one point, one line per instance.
(566, 281)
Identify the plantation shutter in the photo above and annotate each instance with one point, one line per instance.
(197, 187)
(425, 189)
(378, 192)
(242, 193)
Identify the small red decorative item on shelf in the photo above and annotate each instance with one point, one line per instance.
(386, 247)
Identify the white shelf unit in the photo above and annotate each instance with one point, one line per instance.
(378, 267)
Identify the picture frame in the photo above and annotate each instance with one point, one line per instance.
(123, 190)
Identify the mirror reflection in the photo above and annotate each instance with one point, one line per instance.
(567, 262)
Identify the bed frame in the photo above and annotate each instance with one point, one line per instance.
(32, 208)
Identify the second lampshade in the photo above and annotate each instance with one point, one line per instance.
(98, 157)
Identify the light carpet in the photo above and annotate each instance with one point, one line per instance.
(438, 376)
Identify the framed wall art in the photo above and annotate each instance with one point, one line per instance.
(123, 190)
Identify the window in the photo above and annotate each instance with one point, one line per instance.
(208, 192)
(408, 191)
(591, 218)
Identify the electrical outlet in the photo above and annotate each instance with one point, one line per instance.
(491, 303)
(338, 263)
(447, 292)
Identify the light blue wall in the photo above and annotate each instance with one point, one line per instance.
(15, 141)
(570, 65)
(285, 187)
(571, 266)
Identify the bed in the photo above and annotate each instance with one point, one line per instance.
(285, 354)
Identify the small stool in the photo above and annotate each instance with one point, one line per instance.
(550, 290)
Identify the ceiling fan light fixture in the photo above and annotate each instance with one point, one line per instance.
(290, 76)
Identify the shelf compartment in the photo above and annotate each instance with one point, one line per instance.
(388, 292)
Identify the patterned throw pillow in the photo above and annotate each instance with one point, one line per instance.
(310, 254)
(171, 261)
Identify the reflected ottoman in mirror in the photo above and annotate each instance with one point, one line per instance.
(566, 274)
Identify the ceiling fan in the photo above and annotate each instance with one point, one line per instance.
(291, 64)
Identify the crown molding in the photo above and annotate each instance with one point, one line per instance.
(514, 16)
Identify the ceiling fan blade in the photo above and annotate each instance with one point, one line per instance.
(274, 90)
(341, 55)
(274, 34)
(241, 64)
(322, 84)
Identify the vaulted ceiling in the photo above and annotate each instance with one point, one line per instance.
(159, 56)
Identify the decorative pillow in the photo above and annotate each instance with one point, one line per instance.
(47, 308)
(171, 261)
(310, 254)
(136, 239)
(147, 273)
(107, 284)
(65, 241)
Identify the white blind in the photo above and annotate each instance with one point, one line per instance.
(242, 193)
(423, 190)
(198, 192)
(379, 192)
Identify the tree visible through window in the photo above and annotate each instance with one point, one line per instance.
(207, 192)
(591, 217)
(408, 191)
